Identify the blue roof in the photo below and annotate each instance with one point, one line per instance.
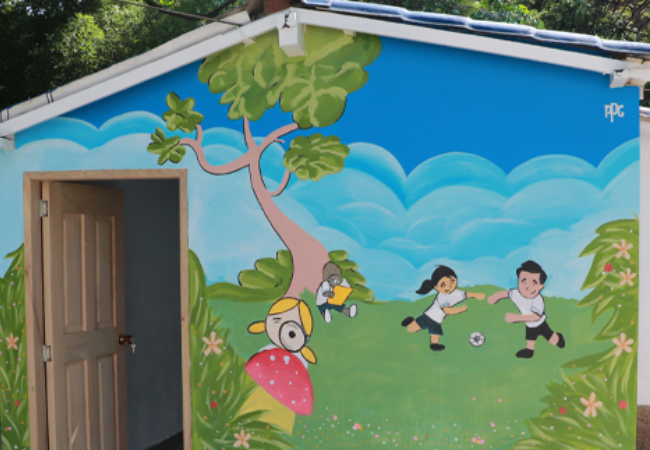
(484, 27)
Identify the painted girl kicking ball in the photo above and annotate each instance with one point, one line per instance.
(444, 282)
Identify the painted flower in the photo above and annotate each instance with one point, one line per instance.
(622, 344)
(623, 248)
(608, 267)
(11, 341)
(478, 440)
(242, 439)
(591, 405)
(213, 345)
(626, 277)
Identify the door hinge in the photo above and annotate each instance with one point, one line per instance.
(47, 353)
(43, 208)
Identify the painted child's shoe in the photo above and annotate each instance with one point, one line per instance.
(327, 316)
(525, 353)
(561, 342)
(353, 311)
(437, 347)
(408, 321)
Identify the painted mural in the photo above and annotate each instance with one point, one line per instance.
(374, 263)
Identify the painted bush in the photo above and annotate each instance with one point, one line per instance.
(595, 404)
(14, 415)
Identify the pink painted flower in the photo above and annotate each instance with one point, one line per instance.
(212, 345)
(626, 277)
(242, 439)
(478, 440)
(12, 341)
(357, 426)
(623, 248)
(591, 405)
(608, 267)
(622, 344)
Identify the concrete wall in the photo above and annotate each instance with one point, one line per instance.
(644, 290)
(152, 289)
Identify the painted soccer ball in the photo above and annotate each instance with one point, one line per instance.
(476, 339)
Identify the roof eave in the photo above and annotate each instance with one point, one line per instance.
(213, 38)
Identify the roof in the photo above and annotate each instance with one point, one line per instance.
(484, 27)
(551, 47)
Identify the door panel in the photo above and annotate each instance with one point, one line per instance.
(84, 315)
(72, 260)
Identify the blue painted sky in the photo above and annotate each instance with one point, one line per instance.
(471, 160)
(449, 100)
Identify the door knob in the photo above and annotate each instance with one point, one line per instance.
(125, 339)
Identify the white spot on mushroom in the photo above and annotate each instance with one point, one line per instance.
(286, 359)
(289, 382)
(293, 402)
(272, 382)
(272, 357)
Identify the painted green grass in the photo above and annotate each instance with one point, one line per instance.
(371, 372)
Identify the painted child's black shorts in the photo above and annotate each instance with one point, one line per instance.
(543, 330)
(322, 308)
(427, 323)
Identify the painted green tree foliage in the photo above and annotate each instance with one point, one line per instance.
(271, 277)
(220, 385)
(14, 414)
(595, 405)
(255, 77)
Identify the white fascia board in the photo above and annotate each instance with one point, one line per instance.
(106, 83)
(465, 41)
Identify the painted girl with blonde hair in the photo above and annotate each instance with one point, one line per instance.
(289, 325)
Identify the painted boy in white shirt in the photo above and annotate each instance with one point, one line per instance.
(530, 303)
(444, 281)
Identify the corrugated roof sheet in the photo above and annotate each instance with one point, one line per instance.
(484, 27)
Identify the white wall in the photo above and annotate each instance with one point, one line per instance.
(644, 288)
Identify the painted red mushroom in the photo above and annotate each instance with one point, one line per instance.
(284, 376)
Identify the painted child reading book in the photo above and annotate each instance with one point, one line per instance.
(333, 293)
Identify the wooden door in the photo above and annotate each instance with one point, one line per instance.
(84, 315)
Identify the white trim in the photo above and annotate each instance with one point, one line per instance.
(466, 41)
(643, 350)
(143, 68)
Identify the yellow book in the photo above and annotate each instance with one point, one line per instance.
(341, 294)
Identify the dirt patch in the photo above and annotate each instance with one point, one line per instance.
(643, 428)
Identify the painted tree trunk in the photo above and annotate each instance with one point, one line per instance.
(308, 254)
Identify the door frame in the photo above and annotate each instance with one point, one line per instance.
(32, 184)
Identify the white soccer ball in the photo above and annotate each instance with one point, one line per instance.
(476, 339)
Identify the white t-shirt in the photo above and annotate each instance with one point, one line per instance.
(528, 306)
(326, 287)
(435, 311)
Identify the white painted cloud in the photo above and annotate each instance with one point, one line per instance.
(457, 209)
